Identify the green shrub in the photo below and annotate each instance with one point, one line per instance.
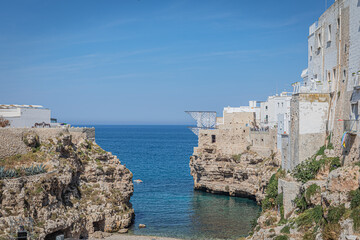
(307, 170)
(355, 198)
(270, 221)
(280, 204)
(281, 237)
(321, 151)
(285, 229)
(300, 203)
(272, 200)
(331, 231)
(312, 190)
(330, 146)
(309, 217)
(271, 193)
(334, 163)
(335, 213)
(355, 215)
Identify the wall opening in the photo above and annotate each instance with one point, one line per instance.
(319, 40)
(99, 225)
(213, 138)
(52, 236)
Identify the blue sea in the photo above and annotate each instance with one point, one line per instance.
(166, 202)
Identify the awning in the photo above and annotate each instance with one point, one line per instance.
(355, 97)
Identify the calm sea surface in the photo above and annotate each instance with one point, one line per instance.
(166, 201)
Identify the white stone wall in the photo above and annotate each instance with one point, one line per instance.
(354, 48)
(313, 117)
(27, 117)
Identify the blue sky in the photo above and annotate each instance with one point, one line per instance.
(146, 62)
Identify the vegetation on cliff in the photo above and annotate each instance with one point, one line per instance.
(326, 206)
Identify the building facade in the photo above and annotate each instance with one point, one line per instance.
(327, 98)
(25, 115)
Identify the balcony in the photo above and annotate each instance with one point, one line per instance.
(352, 126)
(312, 86)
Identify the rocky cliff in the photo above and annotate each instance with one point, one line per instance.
(242, 175)
(63, 185)
(319, 200)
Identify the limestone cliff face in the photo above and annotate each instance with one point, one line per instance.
(242, 175)
(84, 190)
(325, 208)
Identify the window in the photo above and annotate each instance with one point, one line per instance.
(266, 107)
(344, 73)
(338, 23)
(329, 76)
(334, 74)
(311, 52)
(329, 33)
(315, 76)
(213, 138)
(319, 40)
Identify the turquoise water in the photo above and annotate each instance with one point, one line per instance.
(166, 201)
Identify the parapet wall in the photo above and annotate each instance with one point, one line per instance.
(225, 141)
(12, 143)
(264, 142)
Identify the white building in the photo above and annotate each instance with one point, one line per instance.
(335, 32)
(25, 115)
(273, 107)
(275, 112)
(253, 107)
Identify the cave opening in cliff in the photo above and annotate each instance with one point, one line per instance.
(53, 235)
(99, 225)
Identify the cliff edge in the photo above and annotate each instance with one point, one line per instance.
(54, 181)
(242, 175)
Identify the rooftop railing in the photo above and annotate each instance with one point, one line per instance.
(260, 129)
(310, 87)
